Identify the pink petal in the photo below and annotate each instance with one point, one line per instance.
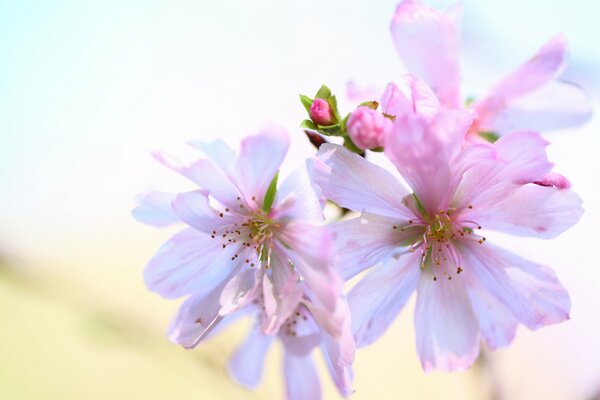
(207, 175)
(310, 250)
(359, 94)
(154, 208)
(496, 323)
(296, 199)
(520, 158)
(364, 241)
(196, 318)
(239, 291)
(422, 151)
(189, 262)
(301, 378)
(285, 289)
(258, 162)
(554, 105)
(194, 209)
(247, 363)
(219, 153)
(531, 292)
(378, 298)
(339, 355)
(544, 66)
(446, 328)
(427, 42)
(410, 96)
(352, 182)
(532, 210)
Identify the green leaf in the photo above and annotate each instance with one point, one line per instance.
(306, 102)
(308, 124)
(323, 93)
(491, 137)
(270, 194)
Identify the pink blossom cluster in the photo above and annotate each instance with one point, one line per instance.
(257, 247)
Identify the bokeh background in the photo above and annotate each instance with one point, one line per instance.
(88, 89)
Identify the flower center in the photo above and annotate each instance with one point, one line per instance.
(438, 237)
(250, 236)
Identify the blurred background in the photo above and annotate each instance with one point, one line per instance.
(88, 89)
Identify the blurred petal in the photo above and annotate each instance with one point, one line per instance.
(194, 209)
(219, 153)
(239, 291)
(555, 105)
(533, 210)
(310, 250)
(296, 198)
(207, 175)
(339, 355)
(301, 378)
(410, 96)
(359, 94)
(196, 318)
(531, 292)
(247, 363)
(378, 298)
(259, 160)
(427, 42)
(189, 262)
(154, 208)
(352, 182)
(445, 325)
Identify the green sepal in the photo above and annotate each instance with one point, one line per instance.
(308, 124)
(306, 102)
(469, 101)
(270, 194)
(491, 137)
(323, 93)
(351, 146)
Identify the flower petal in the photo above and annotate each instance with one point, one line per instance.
(410, 96)
(301, 378)
(531, 292)
(154, 208)
(496, 323)
(445, 325)
(364, 241)
(339, 355)
(194, 209)
(239, 291)
(310, 250)
(352, 182)
(247, 363)
(427, 42)
(207, 175)
(520, 158)
(219, 152)
(296, 199)
(378, 298)
(196, 318)
(554, 105)
(532, 210)
(422, 151)
(259, 159)
(189, 262)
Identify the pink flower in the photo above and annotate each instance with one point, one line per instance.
(300, 335)
(246, 239)
(321, 112)
(528, 98)
(367, 128)
(430, 241)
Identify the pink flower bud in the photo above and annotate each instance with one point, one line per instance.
(367, 128)
(321, 112)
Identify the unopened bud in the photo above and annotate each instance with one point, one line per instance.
(367, 128)
(321, 113)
